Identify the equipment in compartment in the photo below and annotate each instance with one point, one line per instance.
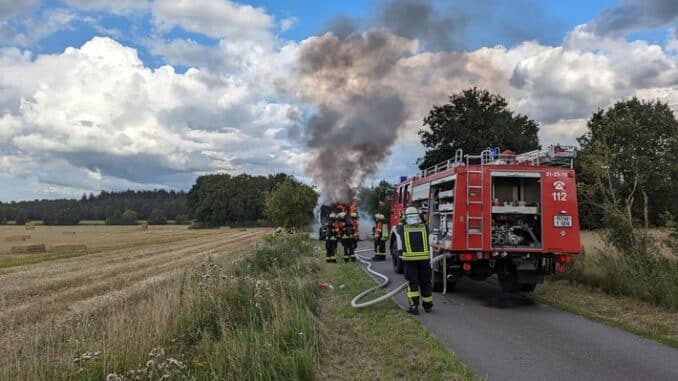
(515, 231)
(516, 215)
(442, 209)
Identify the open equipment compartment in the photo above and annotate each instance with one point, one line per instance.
(441, 212)
(516, 210)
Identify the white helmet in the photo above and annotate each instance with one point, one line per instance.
(412, 216)
(333, 216)
(354, 215)
(379, 216)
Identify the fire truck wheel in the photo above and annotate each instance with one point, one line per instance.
(398, 265)
(527, 287)
(508, 284)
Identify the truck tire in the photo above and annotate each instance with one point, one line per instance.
(398, 265)
(508, 283)
(527, 287)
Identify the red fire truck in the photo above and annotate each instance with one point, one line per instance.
(496, 213)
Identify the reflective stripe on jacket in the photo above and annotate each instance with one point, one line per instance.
(414, 242)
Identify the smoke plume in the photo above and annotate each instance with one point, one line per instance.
(358, 113)
(365, 86)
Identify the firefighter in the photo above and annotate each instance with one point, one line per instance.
(331, 237)
(347, 240)
(413, 247)
(356, 233)
(380, 235)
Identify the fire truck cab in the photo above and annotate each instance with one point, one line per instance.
(515, 216)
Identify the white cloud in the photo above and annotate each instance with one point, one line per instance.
(99, 114)
(214, 18)
(36, 28)
(116, 7)
(286, 24)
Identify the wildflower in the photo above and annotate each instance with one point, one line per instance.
(113, 377)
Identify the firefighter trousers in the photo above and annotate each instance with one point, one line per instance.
(349, 248)
(418, 275)
(331, 250)
(380, 248)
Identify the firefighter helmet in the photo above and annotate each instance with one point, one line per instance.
(379, 216)
(354, 215)
(412, 216)
(341, 215)
(333, 216)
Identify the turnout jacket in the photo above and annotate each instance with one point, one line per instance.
(412, 242)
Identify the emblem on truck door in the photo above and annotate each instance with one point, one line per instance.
(559, 194)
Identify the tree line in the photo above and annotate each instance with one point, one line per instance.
(214, 200)
(107, 206)
(245, 200)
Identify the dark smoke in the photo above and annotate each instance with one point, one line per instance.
(633, 15)
(358, 115)
(348, 74)
(418, 19)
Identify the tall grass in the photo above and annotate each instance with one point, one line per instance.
(639, 271)
(253, 320)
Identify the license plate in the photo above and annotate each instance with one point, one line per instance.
(562, 221)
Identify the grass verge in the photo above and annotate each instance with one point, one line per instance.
(628, 313)
(252, 320)
(377, 343)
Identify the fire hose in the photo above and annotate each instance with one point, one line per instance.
(384, 283)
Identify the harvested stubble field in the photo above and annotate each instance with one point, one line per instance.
(95, 237)
(52, 309)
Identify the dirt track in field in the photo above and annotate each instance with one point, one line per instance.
(41, 295)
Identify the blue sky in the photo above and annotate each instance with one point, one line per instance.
(142, 94)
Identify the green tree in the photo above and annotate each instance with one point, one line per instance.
(3, 218)
(21, 217)
(222, 199)
(291, 205)
(379, 199)
(473, 121)
(62, 216)
(181, 219)
(129, 217)
(157, 217)
(629, 161)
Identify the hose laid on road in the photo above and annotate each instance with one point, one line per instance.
(384, 283)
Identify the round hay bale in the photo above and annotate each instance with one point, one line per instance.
(29, 226)
(144, 226)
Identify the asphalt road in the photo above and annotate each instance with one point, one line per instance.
(514, 338)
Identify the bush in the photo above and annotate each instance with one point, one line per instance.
(641, 273)
(181, 219)
(157, 217)
(127, 218)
